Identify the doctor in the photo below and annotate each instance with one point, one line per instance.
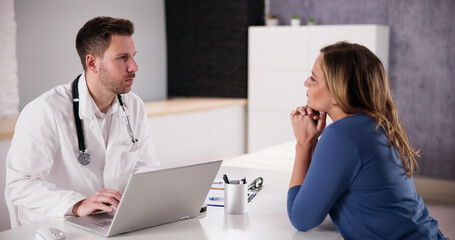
(57, 167)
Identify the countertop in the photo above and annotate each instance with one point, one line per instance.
(155, 108)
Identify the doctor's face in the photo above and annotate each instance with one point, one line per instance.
(117, 67)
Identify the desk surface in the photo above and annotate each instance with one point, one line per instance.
(266, 218)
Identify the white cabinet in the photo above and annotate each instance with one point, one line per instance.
(199, 136)
(279, 61)
(277, 90)
(278, 48)
(374, 37)
(4, 215)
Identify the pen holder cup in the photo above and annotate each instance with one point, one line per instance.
(235, 198)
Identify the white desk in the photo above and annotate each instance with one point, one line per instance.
(266, 218)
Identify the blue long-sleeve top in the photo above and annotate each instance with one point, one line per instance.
(357, 178)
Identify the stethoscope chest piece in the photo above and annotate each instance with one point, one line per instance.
(85, 158)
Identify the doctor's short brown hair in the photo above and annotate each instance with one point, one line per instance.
(96, 34)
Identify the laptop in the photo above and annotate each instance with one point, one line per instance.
(155, 198)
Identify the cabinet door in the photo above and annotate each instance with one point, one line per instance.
(373, 37)
(199, 136)
(278, 48)
(268, 128)
(5, 144)
(273, 89)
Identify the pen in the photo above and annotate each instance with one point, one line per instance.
(226, 180)
(216, 198)
(244, 180)
(251, 197)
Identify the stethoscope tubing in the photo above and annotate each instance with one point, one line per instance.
(84, 157)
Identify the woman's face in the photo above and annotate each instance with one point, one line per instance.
(319, 96)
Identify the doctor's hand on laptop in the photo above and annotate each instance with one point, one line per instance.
(103, 200)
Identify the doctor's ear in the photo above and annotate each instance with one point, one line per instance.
(91, 62)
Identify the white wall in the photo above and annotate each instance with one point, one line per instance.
(46, 32)
(9, 97)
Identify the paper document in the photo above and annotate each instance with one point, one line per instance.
(217, 184)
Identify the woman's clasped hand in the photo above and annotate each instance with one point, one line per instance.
(307, 124)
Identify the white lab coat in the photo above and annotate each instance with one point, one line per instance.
(43, 176)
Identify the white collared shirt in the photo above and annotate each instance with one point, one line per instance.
(104, 119)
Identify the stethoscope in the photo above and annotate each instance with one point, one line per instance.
(84, 157)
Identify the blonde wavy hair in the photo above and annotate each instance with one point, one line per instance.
(357, 80)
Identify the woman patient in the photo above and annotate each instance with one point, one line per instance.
(360, 171)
